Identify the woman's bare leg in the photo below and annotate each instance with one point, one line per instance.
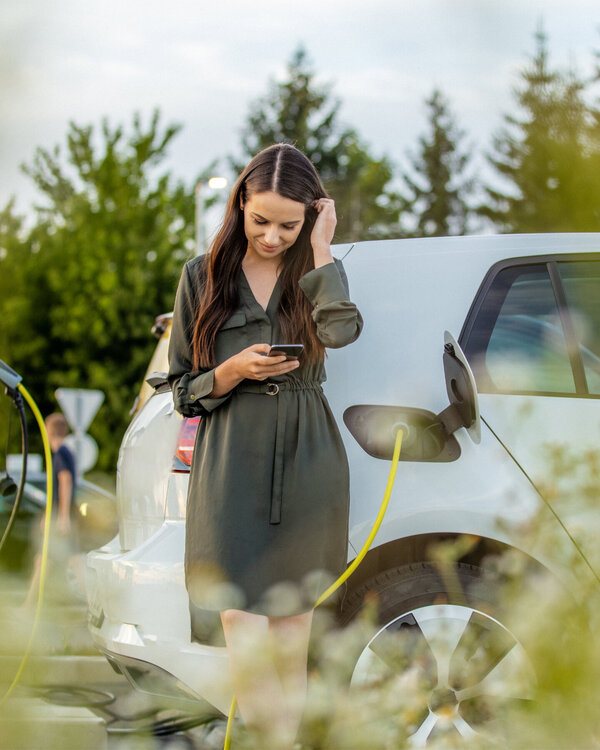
(256, 683)
(289, 638)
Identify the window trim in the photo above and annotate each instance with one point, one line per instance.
(550, 263)
(573, 349)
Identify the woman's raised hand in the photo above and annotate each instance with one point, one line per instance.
(323, 230)
(251, 363)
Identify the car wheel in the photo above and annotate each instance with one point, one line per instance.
(470, 668)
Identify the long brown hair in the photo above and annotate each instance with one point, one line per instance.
(285, 170)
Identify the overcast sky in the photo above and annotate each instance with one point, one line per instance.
(203, 62)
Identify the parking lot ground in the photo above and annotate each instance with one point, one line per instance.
(69, 697)
(29, 723)
(116, 717)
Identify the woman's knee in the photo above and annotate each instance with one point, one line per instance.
(302, 621)
(234, 618)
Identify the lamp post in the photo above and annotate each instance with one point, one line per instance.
(214, 183)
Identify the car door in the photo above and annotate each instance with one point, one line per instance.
(533, 340)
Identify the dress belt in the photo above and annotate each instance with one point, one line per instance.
(273, 389)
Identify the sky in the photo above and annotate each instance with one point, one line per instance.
(203, 63)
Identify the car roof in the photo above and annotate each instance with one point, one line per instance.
(441, 275)
(493, 246)
(411, 291)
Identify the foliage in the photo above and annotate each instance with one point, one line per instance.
(439, 189)
(556, 618)
(100, 263)
(302, 112)
(549, 157)
(14, 307)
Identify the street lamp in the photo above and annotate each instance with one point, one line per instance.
(214, 183)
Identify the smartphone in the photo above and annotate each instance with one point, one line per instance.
(291, 351)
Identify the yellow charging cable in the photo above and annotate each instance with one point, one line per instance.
(351, 568)
(44, 560)
(382, 510)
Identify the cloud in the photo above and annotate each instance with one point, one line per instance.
(200, 53)
(202, 63)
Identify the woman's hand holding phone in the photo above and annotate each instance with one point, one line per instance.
(252, 363)
(290, 351)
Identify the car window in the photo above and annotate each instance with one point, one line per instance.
(581, 282)
(535, 328)
(527, 349)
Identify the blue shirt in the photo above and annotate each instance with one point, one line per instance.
(62, 460)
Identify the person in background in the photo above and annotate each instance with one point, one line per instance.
(64, 547)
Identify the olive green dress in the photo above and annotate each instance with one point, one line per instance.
(267, 508)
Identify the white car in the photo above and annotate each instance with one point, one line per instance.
(519, 316)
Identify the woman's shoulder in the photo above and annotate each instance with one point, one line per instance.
(197, 264)
(196, 270)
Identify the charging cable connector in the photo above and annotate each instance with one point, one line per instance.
(9, 377)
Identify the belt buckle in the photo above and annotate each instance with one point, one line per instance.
(272, 389)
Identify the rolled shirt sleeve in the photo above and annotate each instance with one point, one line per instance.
(191, 387)
(337, 319)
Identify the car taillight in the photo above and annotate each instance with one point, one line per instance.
(182, 460)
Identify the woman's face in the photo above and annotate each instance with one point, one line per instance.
(272, 223)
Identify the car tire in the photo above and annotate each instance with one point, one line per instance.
(470, 669)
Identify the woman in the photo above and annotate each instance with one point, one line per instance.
(267, 512)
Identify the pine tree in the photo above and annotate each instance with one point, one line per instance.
(439, 188)
(547, 157)
(301, 112)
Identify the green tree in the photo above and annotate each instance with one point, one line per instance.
(13, 251)
(102, 260)
(547, 158)
(304, 113)
(438, 187)
(13, 306)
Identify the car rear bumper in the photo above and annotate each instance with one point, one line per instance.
(138, 610)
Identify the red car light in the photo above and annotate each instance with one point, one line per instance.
(182, 460)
